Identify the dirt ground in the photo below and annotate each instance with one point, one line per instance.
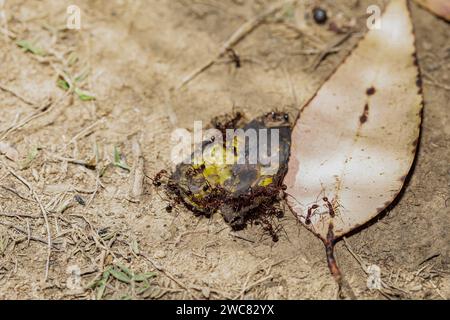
(134, 55)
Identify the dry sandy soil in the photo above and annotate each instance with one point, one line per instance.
(135, 54)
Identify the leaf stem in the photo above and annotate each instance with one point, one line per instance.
(343, 285)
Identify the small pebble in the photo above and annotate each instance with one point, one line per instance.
(80, 200)
(320, 15)
(159, 254)
(416, 288)
(206, 292)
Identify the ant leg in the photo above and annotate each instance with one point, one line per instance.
(337, 209)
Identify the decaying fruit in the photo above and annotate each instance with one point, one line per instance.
(237, 190)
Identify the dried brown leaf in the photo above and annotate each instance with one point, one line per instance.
(356, 140)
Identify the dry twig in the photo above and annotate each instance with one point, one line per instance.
(17, 95)
(43, 211)
(169, 275)
(235, 38)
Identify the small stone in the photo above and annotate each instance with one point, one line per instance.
(35, 174)
(320, 15)
(9, 151)
(206, 292)
(416, 288)
(159, 254)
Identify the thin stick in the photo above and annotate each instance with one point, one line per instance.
(357, 258)
(330, 49)
(7, 33)
(258, 282)
(16, 193)
(136, 182)
(37, 239)
(28, 232)
(17, 95)
(365, 269)
(235, 38)
(19, 215)
(41, 111)
(437, 84)
(169, 275)
(44, 215)
(74, 161)
(85, 131)
(249, 276)
(46, 108)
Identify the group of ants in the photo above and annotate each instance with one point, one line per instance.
(264, 215)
